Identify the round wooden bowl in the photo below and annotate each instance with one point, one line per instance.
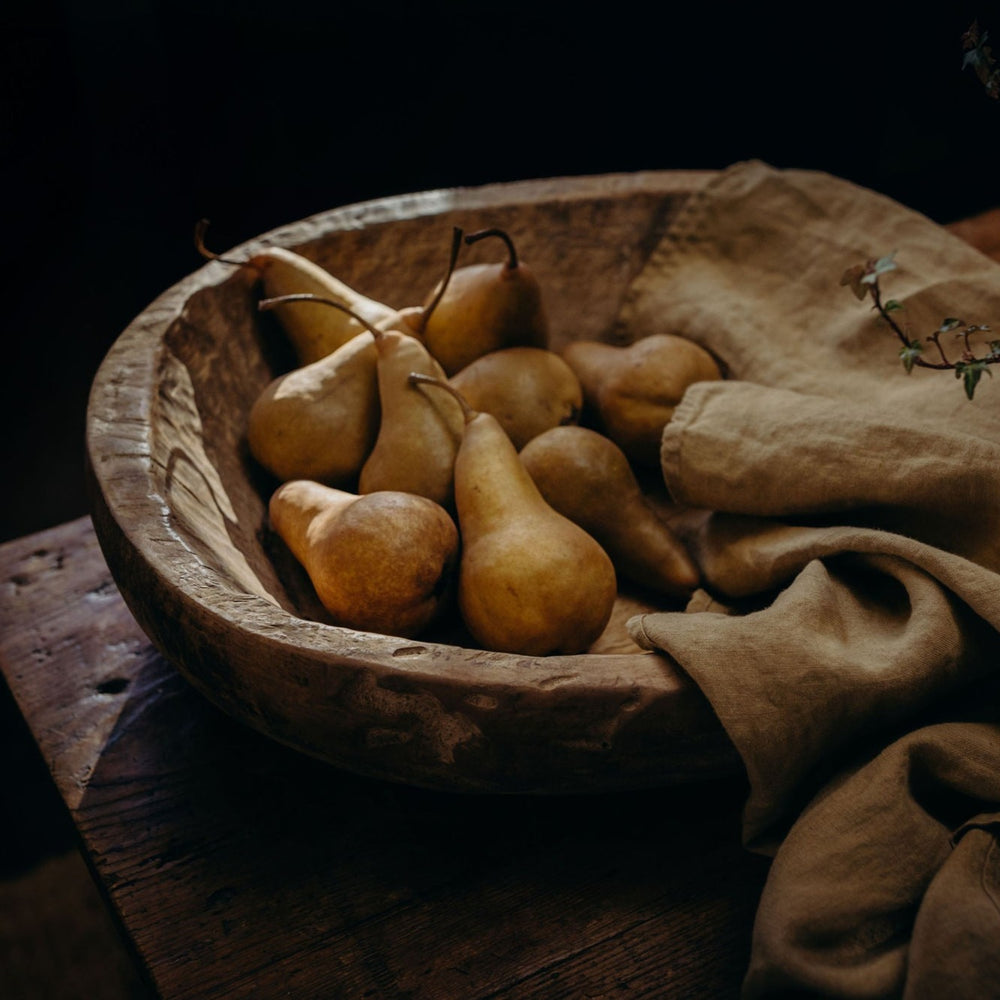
(180, 510)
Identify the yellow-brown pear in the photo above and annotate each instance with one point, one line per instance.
(314, 331)
(633, 390)
(384, 562)
(528, 389)
(586, 476)
(319, 421)
(419, 432)
(485, 307)
(530, 580)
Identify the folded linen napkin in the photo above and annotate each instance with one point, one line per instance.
(848, 635)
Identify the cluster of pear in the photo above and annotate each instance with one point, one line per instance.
(436, 455)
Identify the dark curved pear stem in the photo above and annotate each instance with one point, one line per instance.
(201, 227)
(280, 300)
(501, 234)
(456, 245)
(467, 411)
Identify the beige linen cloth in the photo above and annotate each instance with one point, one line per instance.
(847, 634)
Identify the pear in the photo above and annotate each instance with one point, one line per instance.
(313, 331)
(409, 319)
(319, 421)
(587, 477)
(384, 562)
(528, 389)
(632, 390)
(530, 580)
(484, 308)
(419, 432)
(325, 421)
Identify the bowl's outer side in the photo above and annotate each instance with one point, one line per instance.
(181, 517)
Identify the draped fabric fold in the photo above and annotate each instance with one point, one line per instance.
(848, 635)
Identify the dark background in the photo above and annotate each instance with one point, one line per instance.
(124, 122)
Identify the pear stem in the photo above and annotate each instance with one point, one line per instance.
(467, 411)
(502, 234)
(279, 300)
(456, 245)
(199, 243)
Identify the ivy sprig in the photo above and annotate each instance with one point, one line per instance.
(863, 280)
(979, 57)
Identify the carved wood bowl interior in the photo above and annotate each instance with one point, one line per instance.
(180, 510)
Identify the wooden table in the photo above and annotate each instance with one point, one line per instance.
(240, 868)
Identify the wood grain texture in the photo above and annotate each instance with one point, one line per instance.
(242, 868)
(180, 511)
(69, 663)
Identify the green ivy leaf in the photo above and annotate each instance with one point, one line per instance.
(910, 353)
(949, 324)
(995, 349)
(892, 305)
(883, 264)
(970, 372)
(978, 60)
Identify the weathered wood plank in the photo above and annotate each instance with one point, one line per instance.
(70, 648)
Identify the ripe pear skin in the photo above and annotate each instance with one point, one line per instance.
(485, 307)
(319, 421)
(409, 320)
(587, 477)
(633, 390)
(530, 580)
(314, 329)
(528, 390)
(419, 431)
(383, 562)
